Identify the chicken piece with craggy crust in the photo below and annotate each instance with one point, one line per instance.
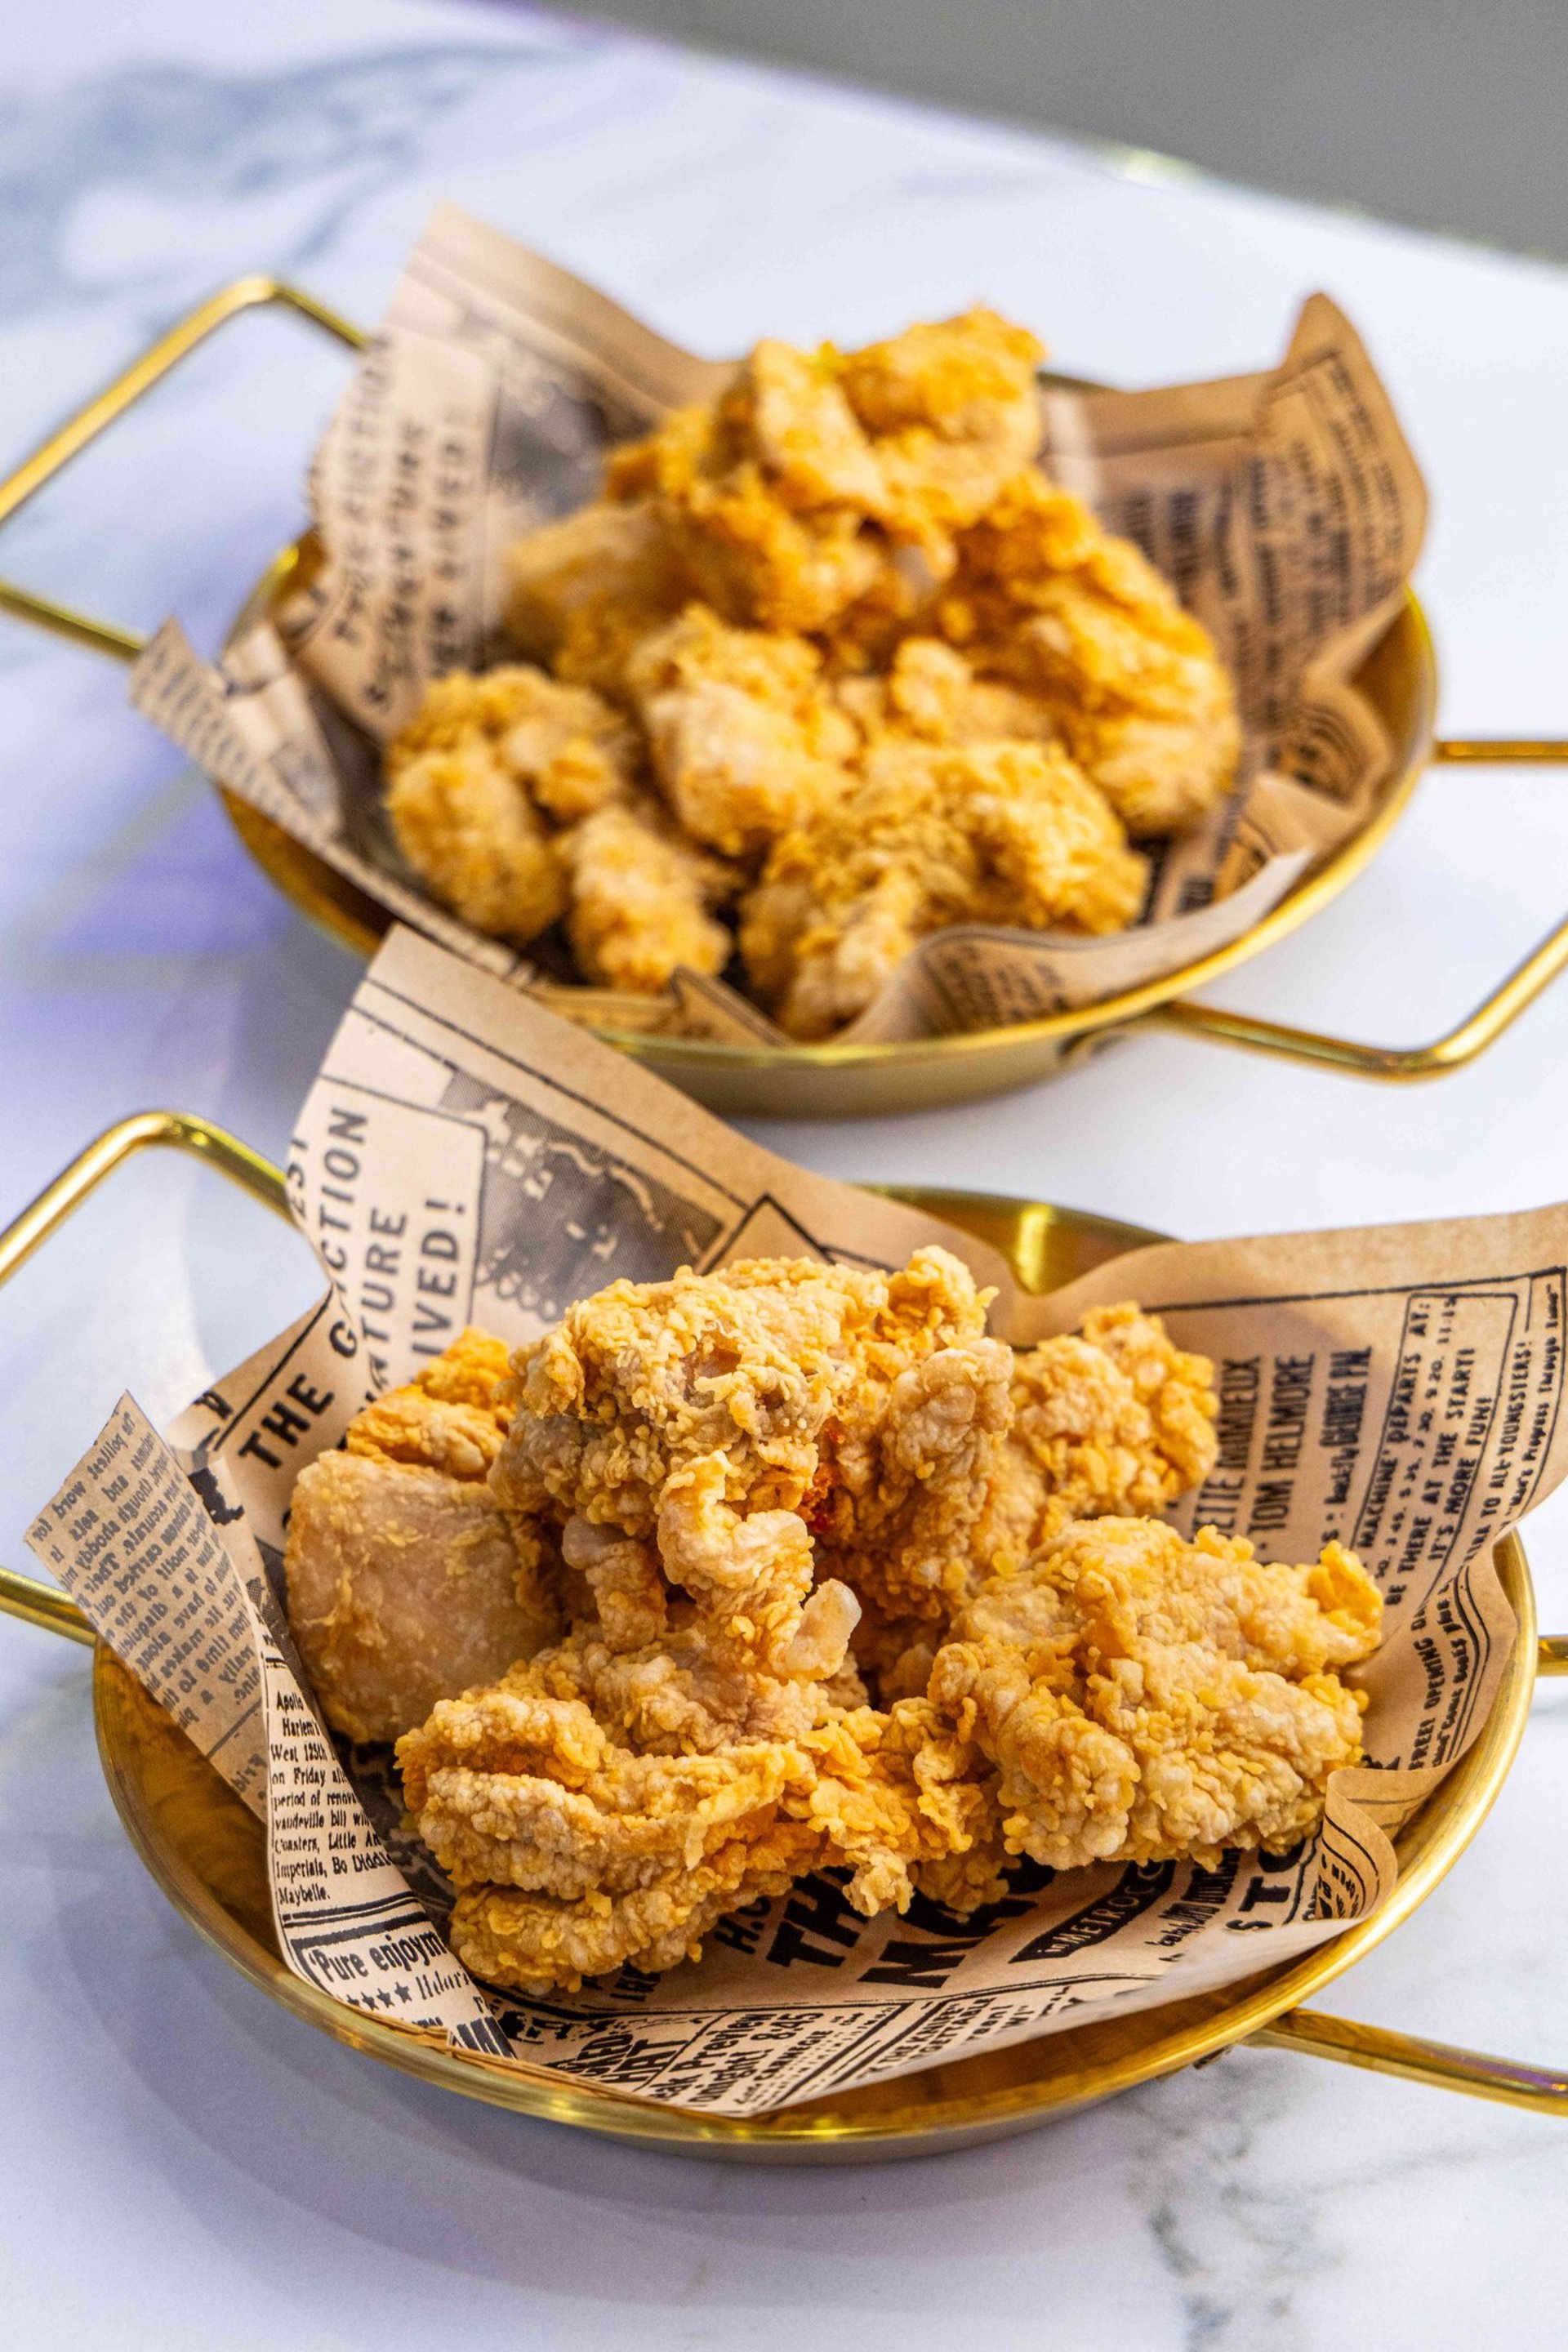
(727, 1418)
(610, 1798)
(897, 1517)
(537, 1942)
(482, 776)
(471, 833)
(1146, 1699)
(758, 526)
(641, 899)
(1110, 1420)
(1003, 832)
(744, 739)
(563, 745)
(787, 501)
(1048, 598)
(898, 1796)
(572, 1852)
(517, 798)
(930, 694)
(407, 1580)
(953, 410)
(586, 589)
(604, 1804)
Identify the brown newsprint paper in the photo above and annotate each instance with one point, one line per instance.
(1285, 506)
(466, 1157)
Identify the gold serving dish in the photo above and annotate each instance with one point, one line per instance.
(206, 1849)
(1400, 679)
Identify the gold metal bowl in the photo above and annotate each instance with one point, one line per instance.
(1400, 679)
(206, 1850)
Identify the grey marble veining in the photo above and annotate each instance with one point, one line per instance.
(173, 2146)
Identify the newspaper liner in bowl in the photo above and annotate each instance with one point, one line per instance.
(1285, 506)
(466, 1156)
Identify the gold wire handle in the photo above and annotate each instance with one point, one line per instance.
(1480, 1029)
(36, 1603)
(25, 1596)
(251, 293)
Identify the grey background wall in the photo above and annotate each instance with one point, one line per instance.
(1448, 113)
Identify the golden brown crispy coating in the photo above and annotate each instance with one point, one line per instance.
(563, 746)
(1145, 1699)
(406, 1579)
(606, 1802)
(1046, 597)
(482, 775)
(584, 591)
(897, 1795)
(743, 535)
(464, 825)
(745, 738)
(908, 1474)
(966, 379)
(1000, 832)
(729, 1418)
(1112, 1418)
(786, 502)
(931, 694)
(540, 1943)
(714, 1474)
(517, 798)
(528, 1790)
(753, 1361)
(698, 1730)
(598, 1806)
(640, 895)
(800, 593)
(954, 411)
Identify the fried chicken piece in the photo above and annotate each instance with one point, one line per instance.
(640, 899)
(754, 1361)
(1005, 833)
(954, 410)
(509, 1786)
(602, 1805)
(482, 775)
(970, 379)
(540, 1943)
(1046, 597)
(898, 1795)
(744, 524)
(407, 1582)
(516, 798)
(1112, 1420)
(896, 1516)
(930, 694)
(729, 1418)
(613, 1797)
(786, 502)
(563, 745)
(464, 826)
(1147, 1699)
(787, 409)
(586, 589)
(745, 740)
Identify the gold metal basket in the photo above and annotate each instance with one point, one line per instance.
(206, 1850)
(1400, 679)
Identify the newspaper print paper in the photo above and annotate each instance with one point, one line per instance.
(1286, 507)
(464, 1156)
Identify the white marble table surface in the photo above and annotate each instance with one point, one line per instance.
(183, 2166)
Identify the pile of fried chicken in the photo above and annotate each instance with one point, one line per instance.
(790, 1566)
(830, 665)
